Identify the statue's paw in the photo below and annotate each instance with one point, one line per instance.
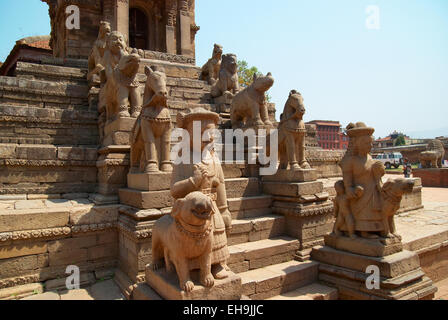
(188, 286)
(208, 281)
(305, 165)
(397, 236)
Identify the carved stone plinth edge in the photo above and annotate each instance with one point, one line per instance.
(166, 285)
(401, 277)
(302, 175)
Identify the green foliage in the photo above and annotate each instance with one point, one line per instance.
(400, 141)
(246, 75)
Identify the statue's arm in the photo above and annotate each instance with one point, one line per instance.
(221, 200)
(181, 187)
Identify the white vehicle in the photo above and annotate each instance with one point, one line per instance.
(390, 159)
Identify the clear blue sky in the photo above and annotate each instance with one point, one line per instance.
(395, 78)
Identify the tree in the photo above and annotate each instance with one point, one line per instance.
(400, 141)
(246, 75)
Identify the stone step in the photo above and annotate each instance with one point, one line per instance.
(259, 254)
(188, 83)
(271, 281)
(250, 207)
(189, 95)
(48, 94)
(42, 72)
(255, 229)
(242, 187)
(315, 291)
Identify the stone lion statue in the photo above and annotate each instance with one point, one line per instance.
(249, 107)
(228, 77)
(185, 235)
(210, 71)
(150, 141)
(292, 133)
(122, 89)
(96, 64)
(434, 155)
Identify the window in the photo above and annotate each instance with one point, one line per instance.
(138, 29)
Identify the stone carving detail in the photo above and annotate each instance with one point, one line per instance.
(434, 155)
(184, 235)
(227, 83)
(249, 106)
(210, 71)
(207, 178)
(122, 92)
(292, 133)
(363, 204)
(150, 141)
(96, 64)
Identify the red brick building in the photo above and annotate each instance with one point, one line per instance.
(330, 135)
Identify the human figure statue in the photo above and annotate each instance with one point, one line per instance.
(207, 177)
(372, 205)
(210, 71)
(342, 210)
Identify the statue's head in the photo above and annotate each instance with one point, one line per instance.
(361, 138)
(339, 187)
(129, 64)
(217, 51)
(295, 101)
(208, 122)
(105, 30)
(263, 83)
(116, 42)
(378, 169)
(156, 81)
(230, 63)
(196, 209)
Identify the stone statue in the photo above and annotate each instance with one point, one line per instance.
(249, 107)
(227, 83)
(96, 64)
(210, 71)
(434, 155)
(292, 134)
(150, 141)
(184, 235)
(342, 210)
(122, 89)
(372, 205)
(116, 48)
(207, 177)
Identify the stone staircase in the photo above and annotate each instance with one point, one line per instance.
(262, 254)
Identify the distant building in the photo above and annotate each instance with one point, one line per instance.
(330, 135)
(30, 49)
(390, 141)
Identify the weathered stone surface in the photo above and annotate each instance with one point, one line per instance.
(390, 266)
(85, 280)
(106, 290)
(47, 296)
(9, 267)
(149, 181)
(242, 187)
(436, 178)
(8, 151)
(143, 292)
(367, 247)
(36, 152)
(22, 291)
(167, 286)
(90, 214)
(303, 175)
(292, 189)
(75, 295)
(15, 220)
(70, 153)
(146, 200)
(19, 250)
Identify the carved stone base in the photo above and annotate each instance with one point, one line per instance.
(401, 277)
(308, 212)
(113, 166)
(149, 181)
(303, 175)
(167, 286)
(435, 178)
(369, 247)
(118, 132)
(146, 199)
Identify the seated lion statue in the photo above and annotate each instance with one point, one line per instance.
(292, 133)
(249, 106)
(228, 77)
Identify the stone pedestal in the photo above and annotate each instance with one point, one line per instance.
(118, 132)
(435, 178)
(167, 286)
(292, 176)
(113, 166)
(308, 212)
(344, 264)
(149, 181)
